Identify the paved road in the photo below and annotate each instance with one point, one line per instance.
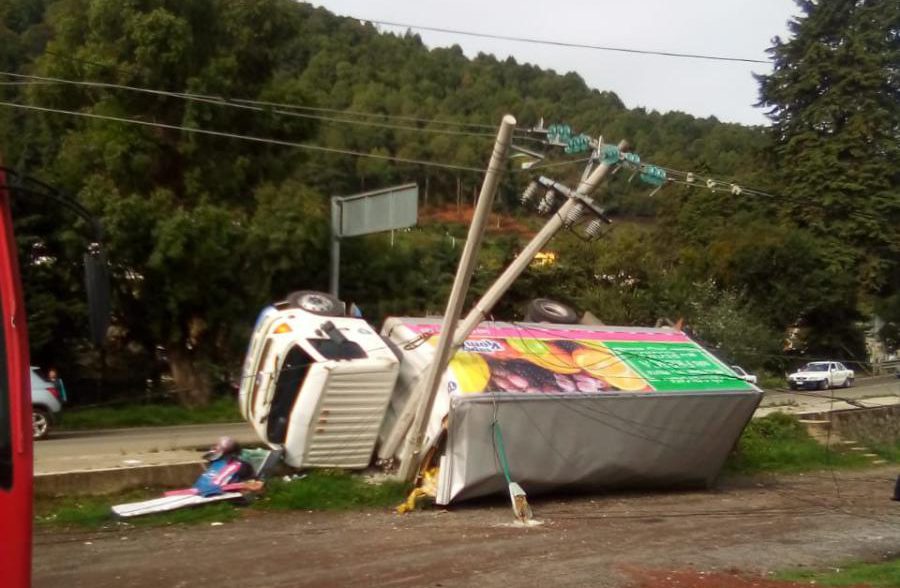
(866, 392)
(87, 450)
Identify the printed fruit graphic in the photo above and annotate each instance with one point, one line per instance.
(471, 371)
(518, 375)
(545, 354)
(603, 364)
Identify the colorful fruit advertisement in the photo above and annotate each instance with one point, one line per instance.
(527, 358)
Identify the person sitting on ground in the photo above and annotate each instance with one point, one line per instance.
(225, 469)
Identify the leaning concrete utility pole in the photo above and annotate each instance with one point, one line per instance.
(427, 389)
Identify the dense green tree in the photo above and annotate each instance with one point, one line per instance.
(179, 210)
(834, 99)
(204, 230)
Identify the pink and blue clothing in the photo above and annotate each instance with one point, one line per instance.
(220, 472)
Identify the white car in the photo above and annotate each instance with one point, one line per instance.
(820, 375)
(45, 404)
(742, 374)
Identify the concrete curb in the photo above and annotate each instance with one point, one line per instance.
(113, 480)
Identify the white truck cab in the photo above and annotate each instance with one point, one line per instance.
(317, 383)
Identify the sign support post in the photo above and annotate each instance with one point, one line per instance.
(370, 212)
(334, 279)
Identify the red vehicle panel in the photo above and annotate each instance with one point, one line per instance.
(16, 452)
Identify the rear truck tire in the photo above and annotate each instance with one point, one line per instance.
(848, 383)
(315, 302)
(40, 422)
(546, 310)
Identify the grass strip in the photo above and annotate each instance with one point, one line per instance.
(888, 452)
(874, 575)
(331, 490)
(319, 490)
(779, 443)
(93, 512)
(220, 410)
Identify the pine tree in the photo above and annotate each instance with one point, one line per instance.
(834, 99)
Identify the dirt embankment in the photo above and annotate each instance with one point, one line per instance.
(730, 537)
(498, 223)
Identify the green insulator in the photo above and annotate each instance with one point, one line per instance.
(559, 133)
(633, 158)
(653, 175)
(578, 144)
(609, 155)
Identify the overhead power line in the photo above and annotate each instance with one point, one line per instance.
(257, 105)
(688, 179)
(200, 131)
(237, 102)
(560, 43)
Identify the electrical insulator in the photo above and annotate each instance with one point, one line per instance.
(609, 155)
(547, 202)
(575, 214)
(594, 230)
(530, 192)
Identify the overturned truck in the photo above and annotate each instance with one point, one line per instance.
(579, 406)
(473, 404)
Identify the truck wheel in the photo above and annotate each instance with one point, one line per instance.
(545, 310)
(848, 383)
(822, 385)
(40, 422)
(315, 302)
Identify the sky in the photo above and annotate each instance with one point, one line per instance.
(734, 28)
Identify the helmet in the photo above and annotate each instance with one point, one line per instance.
(226, 446)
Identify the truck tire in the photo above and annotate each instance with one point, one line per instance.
(823, 385)
(315, 302)
(546, 310)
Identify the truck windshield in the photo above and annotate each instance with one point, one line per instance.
(816, 367)
(334, 350)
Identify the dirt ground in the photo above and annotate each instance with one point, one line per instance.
(733, 536)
